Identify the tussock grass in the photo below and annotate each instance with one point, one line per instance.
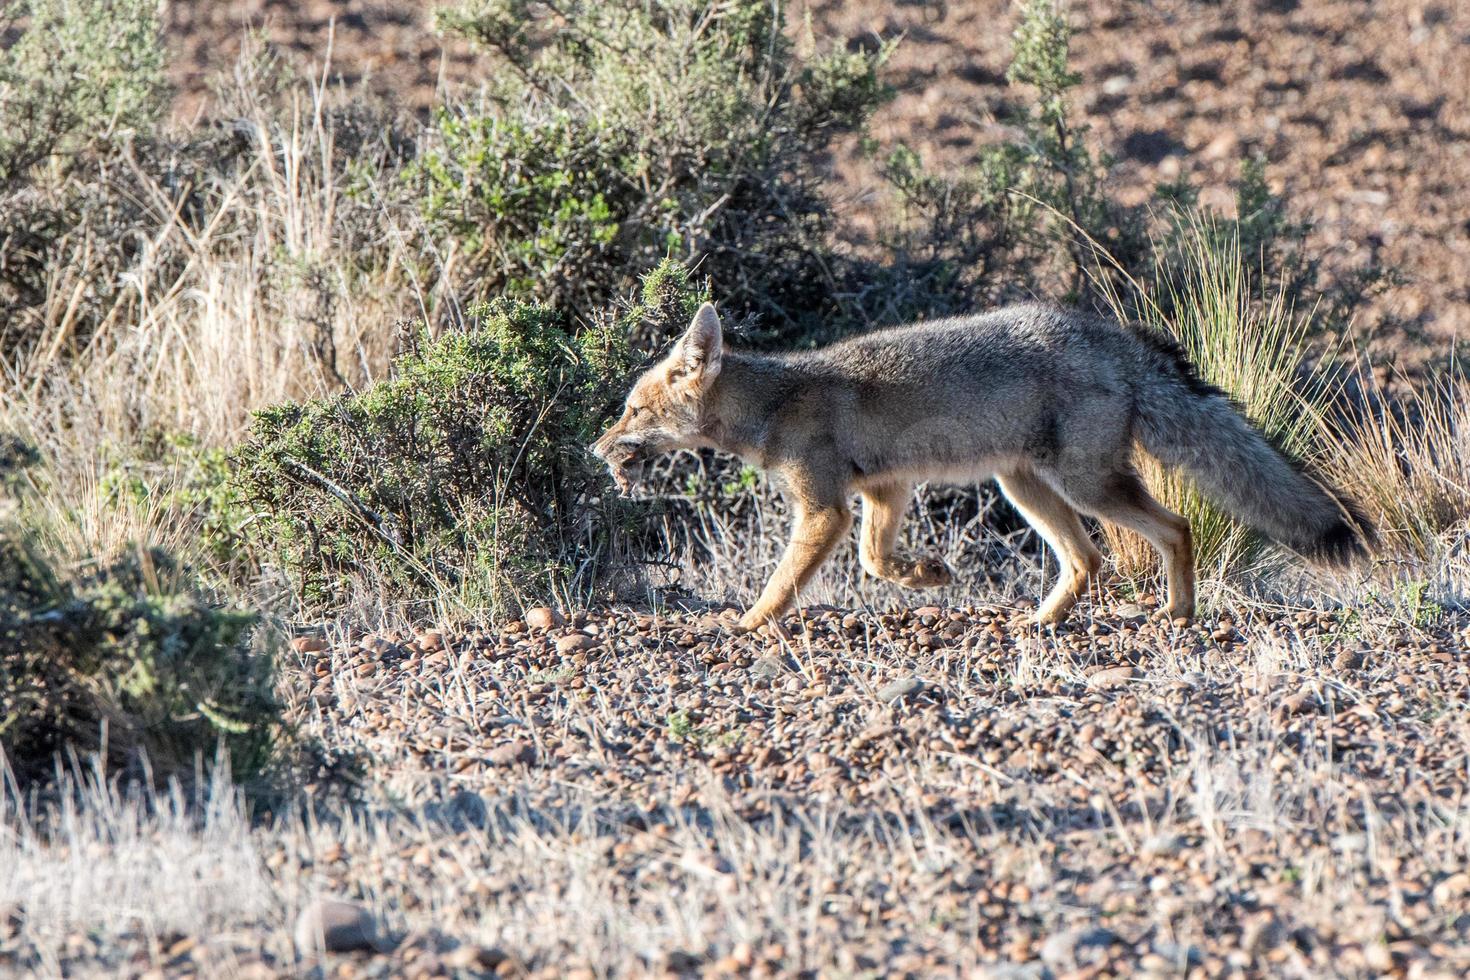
(1246, 337)
(1403, 450)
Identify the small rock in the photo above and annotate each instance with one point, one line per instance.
(543, 618)
(335, 926)
(1453, 887)
(1178, 955)
(1163, 845)
(1132, 612)
(378, 645)
(512, 752)
(1106, 680)
(1298, 703)
(1262, 935)
(472, 957)
(901, 688)
(768, 667)
(1061, 947)
(309, 644)
(574, 643)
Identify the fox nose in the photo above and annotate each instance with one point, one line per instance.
(605, 447)
(602, 446)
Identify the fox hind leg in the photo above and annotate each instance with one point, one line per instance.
(1120, 497)
(883, 510)
(1059, 526)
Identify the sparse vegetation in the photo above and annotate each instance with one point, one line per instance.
(1246, 337)
(464, 473)
(616, 134)
(313, 368)
(126, 662)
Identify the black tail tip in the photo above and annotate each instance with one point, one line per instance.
(1346, 541)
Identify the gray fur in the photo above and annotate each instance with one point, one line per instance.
(1060, 393)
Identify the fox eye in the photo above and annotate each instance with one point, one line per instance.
(636, 409)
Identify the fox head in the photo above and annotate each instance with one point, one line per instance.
(666, 408)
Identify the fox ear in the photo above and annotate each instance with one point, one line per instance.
(698, 353)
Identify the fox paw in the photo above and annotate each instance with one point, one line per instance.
(1054, 616)
(772, 628)
(925, 573)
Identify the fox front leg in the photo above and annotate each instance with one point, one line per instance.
(817, 532)
(883, 509)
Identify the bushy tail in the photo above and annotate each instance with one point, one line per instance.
(1187, 423)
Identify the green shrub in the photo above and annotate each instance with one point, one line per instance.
(80, 71)
(1032, 211)
(114, 662)
(465, 475)
(624, 132)
(81, 76)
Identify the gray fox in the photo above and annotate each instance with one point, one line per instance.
(1048, 401)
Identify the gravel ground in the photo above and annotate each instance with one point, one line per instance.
(929, 792)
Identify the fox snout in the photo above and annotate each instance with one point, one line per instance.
(663, 411)
(624, 456)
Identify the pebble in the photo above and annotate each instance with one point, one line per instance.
(1163, 845)
(335, 925)
(544, 618)
(1453, 887)
(574, 643)
(513, 752)
(1112, 677)
(1131, 612)
(899, 689)
(794, 724)
(768, 667)
(1060, 948)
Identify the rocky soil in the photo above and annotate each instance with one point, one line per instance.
(1274, 791)
(929, 792)
(1362, 110)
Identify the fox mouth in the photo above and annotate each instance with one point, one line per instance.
(623, 480)
(627, 474)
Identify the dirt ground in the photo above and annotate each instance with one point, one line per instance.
(940, 791)
(1362, 110)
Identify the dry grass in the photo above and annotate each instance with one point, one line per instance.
(1246, 338)
(1186, 837)
(562, 871)
(1406, 453)
(257, 302)
(264, 304)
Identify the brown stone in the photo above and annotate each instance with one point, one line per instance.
(336, 926)
(574, 642)
(543, 618)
